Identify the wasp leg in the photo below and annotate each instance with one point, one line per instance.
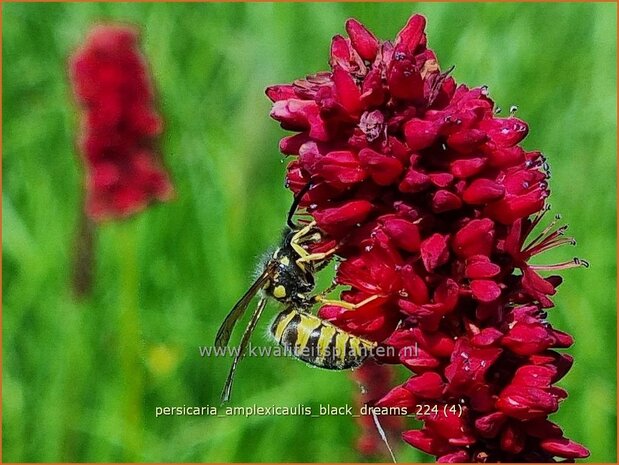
(314, 257)
(302, 232)
(347, 305)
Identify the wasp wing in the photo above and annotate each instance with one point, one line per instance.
(225, 330)
(225, 395)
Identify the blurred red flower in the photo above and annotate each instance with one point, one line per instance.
(119, 126)
(431, 201)
(374, 381)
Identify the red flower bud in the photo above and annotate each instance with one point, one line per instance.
(364, 42)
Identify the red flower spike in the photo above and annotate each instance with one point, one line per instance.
(428, 195)
(111, 83)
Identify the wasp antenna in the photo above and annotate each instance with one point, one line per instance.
(383, 436)
(295, 204)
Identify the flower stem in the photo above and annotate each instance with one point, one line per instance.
(84, 258)
(132, 377)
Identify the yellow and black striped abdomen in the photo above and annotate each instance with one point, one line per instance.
(318, 342)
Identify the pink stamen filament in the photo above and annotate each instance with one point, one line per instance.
(546, 234)
(549, 244)
(536, 220)
(562, 266)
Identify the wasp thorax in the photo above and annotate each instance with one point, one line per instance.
(290, 282)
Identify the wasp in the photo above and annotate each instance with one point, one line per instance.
(288, 277)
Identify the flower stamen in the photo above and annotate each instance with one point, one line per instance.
(574, 263)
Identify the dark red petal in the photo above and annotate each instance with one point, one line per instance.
(281, 92)
(428, 385)
(467, 141)
(382, 169)
(482, 191)
(505, 132)
(537, 287)
(444, 200)
(490, 425)
(564, 447)
(346, 91)
(421, 440)
(434, 251)
(310, 156)
(480, 266)
(364, 42)
(418, 360)
(300, 115)
(533, 375)
(412, 36)
(340, 52)
(486, 337)
(527, 339)
(441, 179)
(502, 157)
(414, 285)
(475, 238)
(340, 167)
(466, 167)
(404, 233)
(446, 294)
(291, 145)
(397, 397)
(414, 181)
(562, 339)
(420, 134)
(469, 366)
(373, 89)
(404, 80)
(527, 404)
(508, 210)
(452, 427)
(347, 214)
(438, 344)
(485, 290)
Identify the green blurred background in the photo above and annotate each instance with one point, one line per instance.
(81, 380)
